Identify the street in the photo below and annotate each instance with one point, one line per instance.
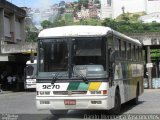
(22, 106)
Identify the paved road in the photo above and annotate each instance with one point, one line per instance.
(21, 105)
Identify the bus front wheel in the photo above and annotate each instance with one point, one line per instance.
(117, 103)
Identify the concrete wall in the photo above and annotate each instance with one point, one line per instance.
(148, 39)
(130, 6)
(12, 30)
(106, 10)
(18, 48)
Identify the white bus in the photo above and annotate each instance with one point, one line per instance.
(87, 67)
(30, 74)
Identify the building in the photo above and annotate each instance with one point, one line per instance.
(12, 43)
(92, 9)
(114, 8)
(106, 9)
(153, 17)
(83, 14)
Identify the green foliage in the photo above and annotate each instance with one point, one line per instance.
(62, 10)
(31, 36)
(68, 19)
(96, 2)
(91, 21)
(155, 53)
(83, 2)
(131, 17)
(46, 24)
(126, 26)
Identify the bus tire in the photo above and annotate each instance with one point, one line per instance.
(117, 103)
(135, 100)
(58, 112)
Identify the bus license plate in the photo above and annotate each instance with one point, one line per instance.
(70, 102)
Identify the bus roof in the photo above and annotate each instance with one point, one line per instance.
(80, 31)
(126, 37)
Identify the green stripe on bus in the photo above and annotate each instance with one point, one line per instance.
(83, 87)
(73, 86)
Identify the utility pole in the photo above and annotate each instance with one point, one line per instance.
(149, 69)
(123, 9)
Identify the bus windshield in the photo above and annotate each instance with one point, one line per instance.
(89, 51)
(53, 55)
(64, 56)
(31, 70)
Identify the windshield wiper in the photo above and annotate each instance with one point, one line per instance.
(79, 73)
(57, 76)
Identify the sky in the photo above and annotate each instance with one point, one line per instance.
(35, 3)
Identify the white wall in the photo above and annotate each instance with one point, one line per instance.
(153, 6)
(130, 6)
(106, 10)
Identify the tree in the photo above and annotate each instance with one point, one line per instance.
(96, 2)
(46, 24)
(110, 23)
(83, 2)
(31, 36)
(62, 10)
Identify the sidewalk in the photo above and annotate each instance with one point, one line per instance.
(6, 92)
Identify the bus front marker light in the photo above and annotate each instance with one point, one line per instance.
(95, 92)
(96, 102)
(44, 102)
(43, 92)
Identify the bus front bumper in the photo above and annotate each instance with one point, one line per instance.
(85, 102)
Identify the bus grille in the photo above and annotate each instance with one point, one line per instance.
(69, 92)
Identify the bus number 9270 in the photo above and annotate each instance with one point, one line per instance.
(51, 86)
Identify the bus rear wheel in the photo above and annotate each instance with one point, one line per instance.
(58, 112)
(117, 103)
(135, 100)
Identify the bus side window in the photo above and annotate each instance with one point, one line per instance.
(133, 53)
(123, 49)
(116, 46)
(110, 42)
(128, 51)
(137, 52)
(110, 47)
(120, 48)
